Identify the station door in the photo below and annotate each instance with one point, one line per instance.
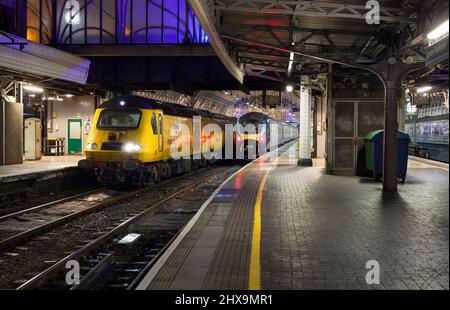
(74, 143)
(352, 121)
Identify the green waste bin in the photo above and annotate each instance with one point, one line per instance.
(374, 145)
(370, 146)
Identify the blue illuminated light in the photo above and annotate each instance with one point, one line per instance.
(129, 22)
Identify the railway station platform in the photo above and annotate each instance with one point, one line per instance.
(274, 225)
(45, 165)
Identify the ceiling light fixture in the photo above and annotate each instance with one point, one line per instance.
(440, 31)
(33, 88)
(291, 63)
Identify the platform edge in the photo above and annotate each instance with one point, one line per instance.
(145, 283)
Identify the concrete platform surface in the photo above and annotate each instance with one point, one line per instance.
(47, 163)
(279, 226)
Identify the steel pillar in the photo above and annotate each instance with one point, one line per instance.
(402, 110)
(330, 122)
(392, 72)
(393, 96)
(305, 124)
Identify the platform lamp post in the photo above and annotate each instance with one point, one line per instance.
(305, 159)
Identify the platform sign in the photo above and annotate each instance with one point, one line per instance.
(75, 143)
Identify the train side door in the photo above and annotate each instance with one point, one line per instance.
(160, 132)
(74, 128)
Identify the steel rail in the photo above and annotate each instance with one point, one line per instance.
(36, 281)
(16, 239)
(49, 204)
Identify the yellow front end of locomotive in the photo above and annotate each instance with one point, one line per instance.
(117, 142)
(142, 135)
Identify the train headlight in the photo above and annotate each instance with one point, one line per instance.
(131, 147)
(91, 146)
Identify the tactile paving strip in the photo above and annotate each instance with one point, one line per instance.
(230, 266)
(167, 275)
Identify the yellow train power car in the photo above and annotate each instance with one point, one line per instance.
(131, 137)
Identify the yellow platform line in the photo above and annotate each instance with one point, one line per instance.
(254, 279)
(255, 260)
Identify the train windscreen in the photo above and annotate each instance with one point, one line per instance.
(119, 119)
(258, 120)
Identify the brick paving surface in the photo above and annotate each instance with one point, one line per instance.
(318, 231)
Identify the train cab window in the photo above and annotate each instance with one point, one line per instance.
(154, 124)
(119, 119)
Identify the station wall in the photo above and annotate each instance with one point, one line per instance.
(76, 108)
(11, 133)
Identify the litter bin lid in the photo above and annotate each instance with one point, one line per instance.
(373, 134)
(378, 135)
(401, 136)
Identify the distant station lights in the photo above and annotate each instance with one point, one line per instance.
(424, 89)
(289, 88)
(34, 89)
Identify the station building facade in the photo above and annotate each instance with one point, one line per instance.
(43, 83)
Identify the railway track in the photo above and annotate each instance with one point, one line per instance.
(117, 259)
(30, 190)
(100, 253)
(45, 217)
(25, 203)
(47, 205)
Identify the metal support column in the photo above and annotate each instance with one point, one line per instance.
(402, 110)
(393, 95)
(305, 124)
(392, 72)
(2, 128)
(329, 122)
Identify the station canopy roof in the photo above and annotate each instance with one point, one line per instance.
(262, 33)
(28, 59)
